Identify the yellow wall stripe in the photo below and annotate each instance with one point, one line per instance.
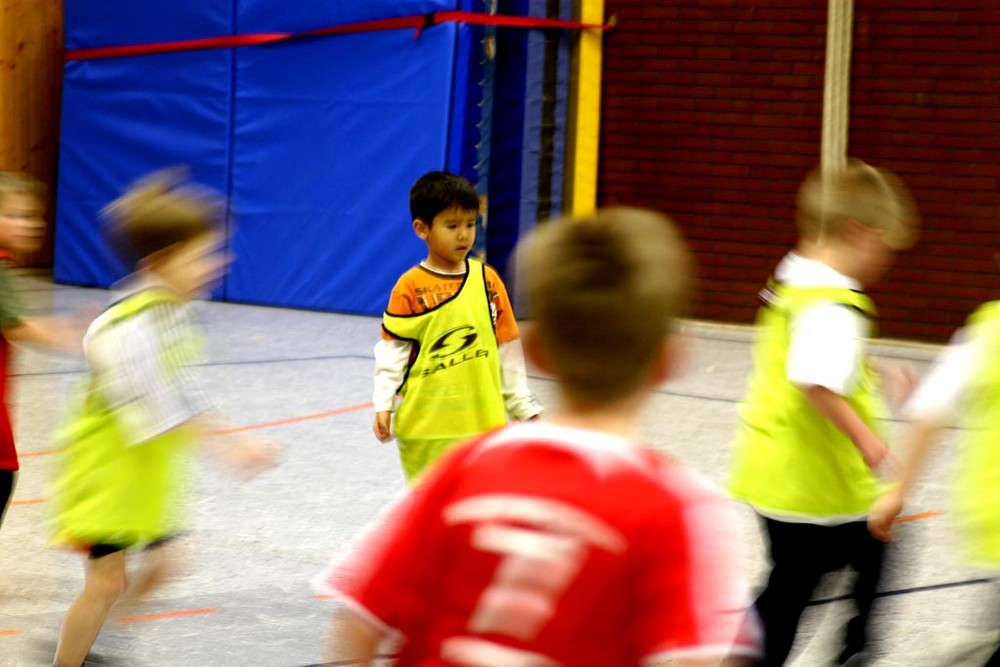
(584, 112)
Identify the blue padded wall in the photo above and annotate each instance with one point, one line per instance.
(121, 121)
(100, 23)
(302, 15)
(324, 153)
(316, 141)
(124, 118)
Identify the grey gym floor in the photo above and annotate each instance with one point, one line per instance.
(303, 379)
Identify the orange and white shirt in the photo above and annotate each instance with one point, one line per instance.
(421, 289)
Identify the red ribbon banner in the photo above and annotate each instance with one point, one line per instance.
(417, 23)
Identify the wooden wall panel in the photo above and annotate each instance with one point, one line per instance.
(30, 76)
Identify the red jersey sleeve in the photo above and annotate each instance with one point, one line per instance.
(391, 570)
(692, 596)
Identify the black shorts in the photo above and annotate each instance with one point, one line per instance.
(8, 480)
(102, 549)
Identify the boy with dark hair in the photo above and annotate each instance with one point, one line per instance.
(450, 344)
(563, 541)
(130, 440)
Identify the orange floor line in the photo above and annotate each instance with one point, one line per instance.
(29, 501)
(41, 452)
(10, 632)
(168, 614)
(916, 517)
(294, 420)
(242, 429)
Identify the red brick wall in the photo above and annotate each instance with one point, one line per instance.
(712, 109)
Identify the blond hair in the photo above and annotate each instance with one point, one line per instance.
(604, 291)
(873, 197)
(160, 211)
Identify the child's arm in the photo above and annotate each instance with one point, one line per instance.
(835, 407)
(917, 444)
(352, 638)
(520, 403)
(244, 455)
(898, 380)
(391, 360)
(48, 331)
(931, 408)
(825, 361)
(153, 393)
(518, 400)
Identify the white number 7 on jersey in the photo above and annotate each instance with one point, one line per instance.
(539, 560)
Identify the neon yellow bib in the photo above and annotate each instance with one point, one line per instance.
(977, 491)
(452, 388)
(109, 490)
(788, 459)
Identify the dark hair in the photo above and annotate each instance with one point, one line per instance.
(438, 191)
(604, 291)
(160, 211)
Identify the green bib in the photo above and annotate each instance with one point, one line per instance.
(977, 492)
(109, 490)
(789, 460)
(452, 387)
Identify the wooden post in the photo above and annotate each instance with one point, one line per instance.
(837, 85)
(31, 34)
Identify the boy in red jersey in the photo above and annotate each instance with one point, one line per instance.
(22, 228)
(563, 541)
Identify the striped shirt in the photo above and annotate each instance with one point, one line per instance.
(132, 358)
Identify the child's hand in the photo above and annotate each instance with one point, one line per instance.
(877, 457)
(888, 468)
(383, 425)
(899, 379)
(249, 458)
(884, 512)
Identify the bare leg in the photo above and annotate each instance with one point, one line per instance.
(159, 565)
(105, 583)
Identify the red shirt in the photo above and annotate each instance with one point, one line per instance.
(543, 545)
(8, 452)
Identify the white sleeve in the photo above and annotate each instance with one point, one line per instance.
(825, 347)
(391, 360)
(939, 393)
(517, 398)
(130, 359)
